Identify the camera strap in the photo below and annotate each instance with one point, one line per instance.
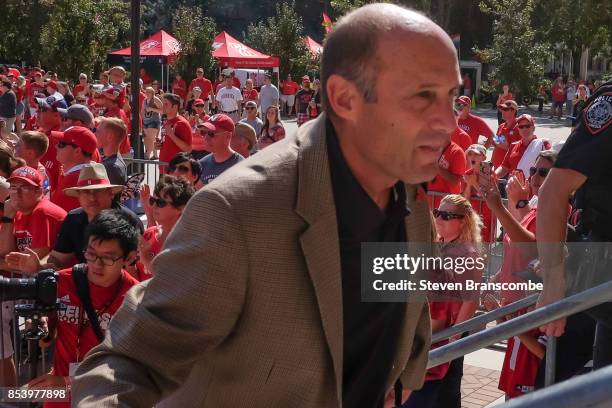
(79, 275)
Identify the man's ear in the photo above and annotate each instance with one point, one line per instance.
(130, 259)
(343, 97)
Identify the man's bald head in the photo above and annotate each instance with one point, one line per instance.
(352, 49)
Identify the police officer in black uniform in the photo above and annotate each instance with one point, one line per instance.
(583, 167)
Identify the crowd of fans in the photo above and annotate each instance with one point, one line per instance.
(63, 171)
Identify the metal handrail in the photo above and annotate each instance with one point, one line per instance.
(589, 390)
(480, 321)
(562, 308)
(144, 161)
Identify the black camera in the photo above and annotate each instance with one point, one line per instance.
(42, 288)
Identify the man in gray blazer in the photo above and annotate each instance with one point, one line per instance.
(256, 300)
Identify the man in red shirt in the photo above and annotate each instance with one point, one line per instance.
(146, 78)
(30, 222)
(451, 168)
(48, 120)
(176, 132)
(179, 87)
(205, 85)
(75, 148)
(288, 90)
(472, 124)
(111, 245)
(507, 133)
(558, 98)
(114, 110)
(235, 80)
(81, 88)
(516, 155)
(461, 138)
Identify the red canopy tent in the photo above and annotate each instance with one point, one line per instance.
(161, 46)
(232, 53)
(314, 47)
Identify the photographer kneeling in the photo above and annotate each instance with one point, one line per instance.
(95, 288)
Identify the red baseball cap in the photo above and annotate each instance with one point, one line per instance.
(220, 123)
(52, 84)
(28, 175)
(198, 102)
(526, 117)
(79, 136)
(464, 100)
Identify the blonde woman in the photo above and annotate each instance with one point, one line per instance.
(458, 227)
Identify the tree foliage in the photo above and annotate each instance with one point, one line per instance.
(195, 33)
(282, 35)
(517, 59)
(87, 29)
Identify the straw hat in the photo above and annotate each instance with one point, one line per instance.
(93, 177)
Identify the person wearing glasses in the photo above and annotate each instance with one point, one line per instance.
(111, 244)
(95, 194)
(458, 227)
(49, 120)
(518, 220)
(506, 134)
(30, 224)
(522, 154)
(218, 132)
(76, 115)
(187, 167)
(167, 202)
(75, 148)
(251, 117)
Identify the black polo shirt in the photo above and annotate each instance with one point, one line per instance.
(372, 329)
(71, 238)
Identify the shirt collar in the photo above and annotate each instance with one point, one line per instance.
(355, 209)
(78, 167)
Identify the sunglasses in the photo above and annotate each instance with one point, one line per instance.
(524, 126)
(62, 144)
(445, 215)
(180, 169)
(206, 132)
(506, 109)
(249, 108)
(542, 171)
(158, 202)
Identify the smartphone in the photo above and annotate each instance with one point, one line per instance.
(484, 174)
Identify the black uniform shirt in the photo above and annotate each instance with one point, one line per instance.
(371, 330)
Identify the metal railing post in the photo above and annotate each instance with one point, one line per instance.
(562, 308)
(551, 361)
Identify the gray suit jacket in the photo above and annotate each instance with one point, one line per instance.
(247, 296)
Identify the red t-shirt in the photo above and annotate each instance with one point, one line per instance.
(514, 155)
(117, 112)
(520, 367)
(78, 88)
(250, 95)
(453, 160)
(146, 79)
(461, 138)
(35, 88)
(180, 88)
(508, 133)
(558, 93)
(40, 228)
(475, 127)
(66, 181)
(150, 235)
(74, 336)
(290, 87)
(49, 160)
(504, 98)
(182, 130)
(204, 84)
(236, 82)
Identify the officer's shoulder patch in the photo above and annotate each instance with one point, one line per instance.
(598, 115)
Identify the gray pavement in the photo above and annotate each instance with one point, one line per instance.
(552, 129)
